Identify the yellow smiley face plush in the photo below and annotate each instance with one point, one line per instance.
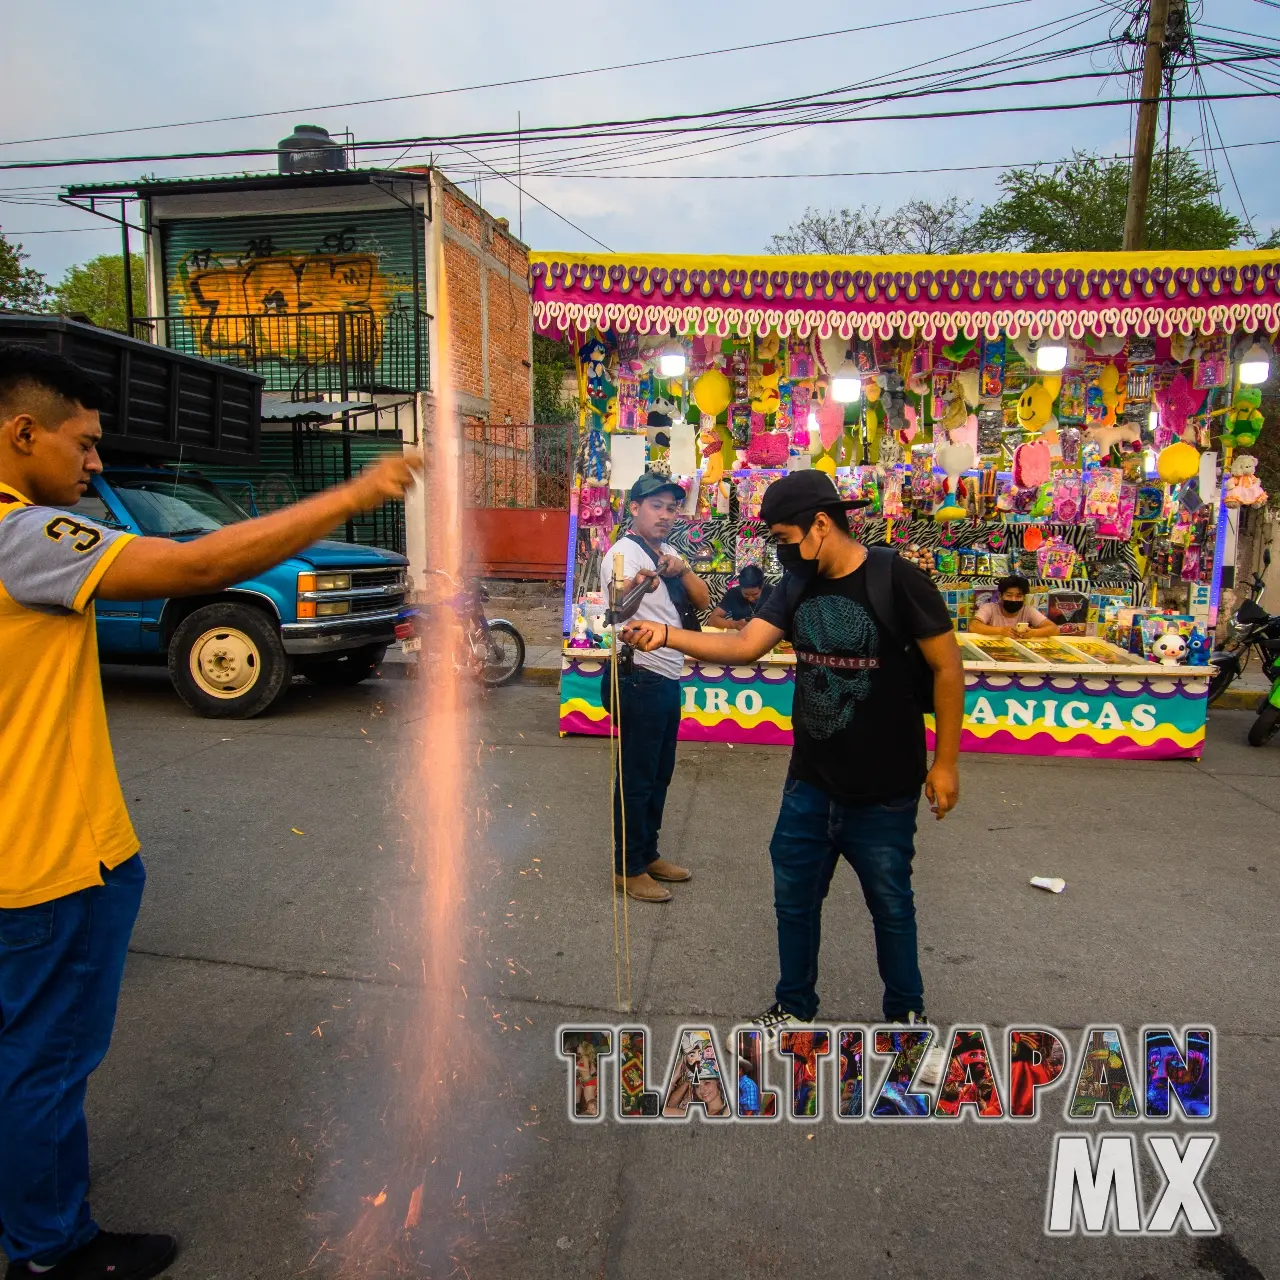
(1035, 405)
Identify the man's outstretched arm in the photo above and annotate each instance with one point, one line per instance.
(149, 568)
(733, 649)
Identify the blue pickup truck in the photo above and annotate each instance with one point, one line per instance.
(328, 614)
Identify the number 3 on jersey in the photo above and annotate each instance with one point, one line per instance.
(85, 536)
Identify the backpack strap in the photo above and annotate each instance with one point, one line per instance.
(880, 591)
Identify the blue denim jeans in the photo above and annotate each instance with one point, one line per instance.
(812, 833)
(61, 964)
(649, 713)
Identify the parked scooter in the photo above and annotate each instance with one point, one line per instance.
(490, 650)
(1252, 630)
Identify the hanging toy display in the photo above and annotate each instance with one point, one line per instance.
(1244, 489)
(1035, 407)
(1242, 423)
(1177, 462)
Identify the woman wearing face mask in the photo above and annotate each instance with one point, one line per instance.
(1012, 615)
(874, 651)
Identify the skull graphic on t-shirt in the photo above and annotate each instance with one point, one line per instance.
(830, 624)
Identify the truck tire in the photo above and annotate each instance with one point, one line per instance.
(345, 669)
(1263, 729)
(227, 661)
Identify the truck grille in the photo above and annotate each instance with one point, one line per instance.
(364, 578)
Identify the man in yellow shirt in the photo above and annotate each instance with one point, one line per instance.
(70, 875)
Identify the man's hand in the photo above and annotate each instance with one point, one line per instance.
(645, 636)
(671, 566)
(392, 478)
(942, 789)
(641, 575)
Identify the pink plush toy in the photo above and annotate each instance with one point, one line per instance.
(1031, 464)
(1176, 403)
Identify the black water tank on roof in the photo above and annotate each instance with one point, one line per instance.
(310, 149)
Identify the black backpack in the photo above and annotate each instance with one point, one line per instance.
(884, 606)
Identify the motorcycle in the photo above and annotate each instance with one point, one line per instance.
(1253, 629)
(492, 650)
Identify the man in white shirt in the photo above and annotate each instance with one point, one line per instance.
(648, 710)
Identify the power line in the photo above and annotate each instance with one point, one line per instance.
(503, 84)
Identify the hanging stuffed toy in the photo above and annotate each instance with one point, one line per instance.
(1104, 400)
(1243, 420)
(712, 393)
(1176, 403)
(1243, 487)
(1031, 464)
(1035, 407)
(959, 420)
(1177, 462)
(1106, 438)
(955, 460)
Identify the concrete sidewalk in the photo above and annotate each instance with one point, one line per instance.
(257, 1099)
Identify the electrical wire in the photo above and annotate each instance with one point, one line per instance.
(504, 84)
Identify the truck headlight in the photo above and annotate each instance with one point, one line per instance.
(331, 608)
(333, 582)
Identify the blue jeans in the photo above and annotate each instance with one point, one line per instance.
(812, 833)
(649, 714)
(61, 964)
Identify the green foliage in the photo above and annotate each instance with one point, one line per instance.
(1080, 206)
(21, 288)
(552, 361)
(919, 226)
(96, 289)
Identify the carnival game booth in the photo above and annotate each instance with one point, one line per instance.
(1082, 420)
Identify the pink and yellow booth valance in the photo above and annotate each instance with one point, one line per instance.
(1059, 294)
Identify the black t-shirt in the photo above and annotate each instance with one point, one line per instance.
(739, 608)
(858, 725)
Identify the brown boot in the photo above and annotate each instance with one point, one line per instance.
(661, 869)
(643, 888)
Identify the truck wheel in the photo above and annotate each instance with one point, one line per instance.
(345, 669)
(227, 661)
(1263, 729)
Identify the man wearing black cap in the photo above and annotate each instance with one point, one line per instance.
(648, 710)
(874, 652)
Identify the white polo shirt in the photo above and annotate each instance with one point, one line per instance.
(654, 607)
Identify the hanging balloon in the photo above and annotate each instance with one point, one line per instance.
(712, 393)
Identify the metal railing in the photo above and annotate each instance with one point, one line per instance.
(521, 466)
(309, 354)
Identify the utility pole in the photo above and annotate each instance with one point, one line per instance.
(1144, 135)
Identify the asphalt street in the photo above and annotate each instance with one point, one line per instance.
(257, 1097)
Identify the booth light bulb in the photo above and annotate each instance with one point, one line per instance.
(812, 422)
(846, 385)
(1255, 366)
(1051, 359)
(1153, 419)
(1149, 461)
(671, 363)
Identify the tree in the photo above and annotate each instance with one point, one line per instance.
(96, 289)
(552, 361)
(919, 226)
(21, 288)
(1080, 206)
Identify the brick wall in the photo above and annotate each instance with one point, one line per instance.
(492, 314)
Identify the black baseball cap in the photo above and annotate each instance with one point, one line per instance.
(651, 483)
(800, 493)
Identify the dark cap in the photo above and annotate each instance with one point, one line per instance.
(651, 483)
(800, 493)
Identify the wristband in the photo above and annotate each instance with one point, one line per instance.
(666, 634)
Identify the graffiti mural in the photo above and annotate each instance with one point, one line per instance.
(300, 293)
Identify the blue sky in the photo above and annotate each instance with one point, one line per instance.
(72, 66)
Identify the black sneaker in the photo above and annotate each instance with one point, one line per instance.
(110, 1255)
(774, 1019)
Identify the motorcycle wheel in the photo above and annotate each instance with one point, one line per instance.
(1220, 683)
(1263, 729)
(504, 659)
